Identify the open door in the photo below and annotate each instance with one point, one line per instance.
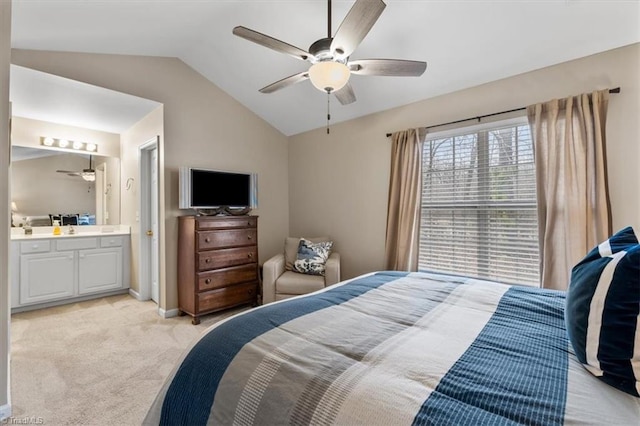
(149, 213)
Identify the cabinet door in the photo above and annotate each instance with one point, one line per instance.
(45, 277)
(99, 270)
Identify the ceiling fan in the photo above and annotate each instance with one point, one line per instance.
(87, 174)
(331, 67)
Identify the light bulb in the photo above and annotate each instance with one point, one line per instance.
(63, 143)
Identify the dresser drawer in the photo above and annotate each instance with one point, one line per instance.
(227, 238)
(227, 276)
(223, 258)
(226, 223)
(227, 297)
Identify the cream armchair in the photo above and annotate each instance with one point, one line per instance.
(279, 281)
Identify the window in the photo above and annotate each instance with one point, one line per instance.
(479, 210)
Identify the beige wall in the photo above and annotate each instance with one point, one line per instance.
(5, 56)
(27, 132)
(203, 127)
(339, 182)
(146, 129)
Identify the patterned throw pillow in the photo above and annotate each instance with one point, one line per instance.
(603, 311)
(312, 257)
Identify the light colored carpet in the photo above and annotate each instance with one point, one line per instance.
(99, 362)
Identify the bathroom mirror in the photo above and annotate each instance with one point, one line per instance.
(40, 186)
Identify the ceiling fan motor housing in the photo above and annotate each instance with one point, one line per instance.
(321, 51)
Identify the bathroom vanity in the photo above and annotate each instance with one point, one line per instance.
(48, 270)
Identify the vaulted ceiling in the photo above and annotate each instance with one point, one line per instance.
(465, 43)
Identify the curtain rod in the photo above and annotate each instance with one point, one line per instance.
(479, 117)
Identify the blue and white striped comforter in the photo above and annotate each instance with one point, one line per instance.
(393, 348)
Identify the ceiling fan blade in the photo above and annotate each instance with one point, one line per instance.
(285, 82)
(346, 95)
(271, 43)
(356, 25)
(388, 67)
(68, 172)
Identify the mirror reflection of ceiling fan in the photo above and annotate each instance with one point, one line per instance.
(331, 66)
(87, 174)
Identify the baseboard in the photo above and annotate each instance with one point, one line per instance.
(5, 411)
(135, 295)
(168, 314)
(67, 301)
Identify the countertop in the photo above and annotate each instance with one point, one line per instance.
(81, 231)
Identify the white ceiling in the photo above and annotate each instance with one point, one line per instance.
(465, 43)
(46, 97)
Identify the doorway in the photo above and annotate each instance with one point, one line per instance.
(149, 213)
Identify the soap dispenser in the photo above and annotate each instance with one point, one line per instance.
(56, 227)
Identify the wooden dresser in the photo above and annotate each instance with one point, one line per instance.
(217, 263)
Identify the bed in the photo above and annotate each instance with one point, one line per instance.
(393, 348)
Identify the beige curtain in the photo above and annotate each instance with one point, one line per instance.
(573, 200)
(403, 211)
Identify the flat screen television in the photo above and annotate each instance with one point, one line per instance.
(212, 189)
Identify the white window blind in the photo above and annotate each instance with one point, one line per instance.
(478, 212)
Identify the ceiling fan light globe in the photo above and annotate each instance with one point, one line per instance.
(88, 176)
(329, 76)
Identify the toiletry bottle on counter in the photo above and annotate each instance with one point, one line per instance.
(56, 227)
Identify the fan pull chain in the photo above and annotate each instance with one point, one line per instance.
(328, 110)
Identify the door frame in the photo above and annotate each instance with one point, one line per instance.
(100, 189)
(144, 207)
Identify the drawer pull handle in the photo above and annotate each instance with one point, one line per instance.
(250, 255)
(207, 260)
(250, 291)
(206, 240)
(207, 281)
(35, 246)
(249, 223)
(249, 236)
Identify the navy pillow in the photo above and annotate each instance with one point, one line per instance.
(603, 311)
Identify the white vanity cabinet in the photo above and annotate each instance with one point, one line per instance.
(99, 270)
(46, 276)
(57, 270)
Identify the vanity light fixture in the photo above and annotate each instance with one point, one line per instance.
(68, 145)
